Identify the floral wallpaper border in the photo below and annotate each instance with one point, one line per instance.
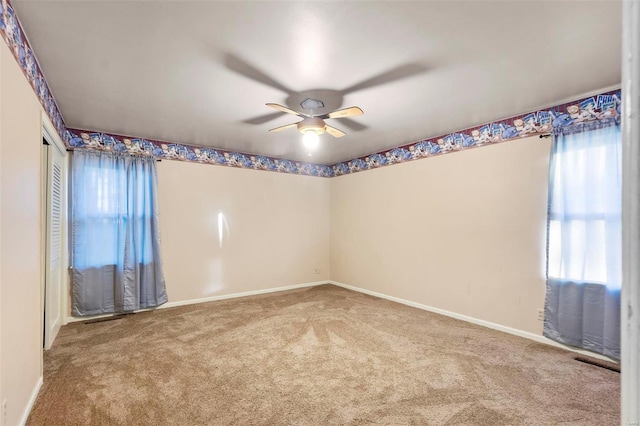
(594, 109)
(174, 151)
(13, 34)
(601, 108)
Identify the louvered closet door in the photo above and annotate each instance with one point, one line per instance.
(55, 214)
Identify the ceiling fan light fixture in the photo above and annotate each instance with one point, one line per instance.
(312, 124)
(310, 139)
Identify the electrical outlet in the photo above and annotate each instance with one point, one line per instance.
(4, 412)
(317, 271)
(540, 314)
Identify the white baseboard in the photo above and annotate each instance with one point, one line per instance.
(494, 326)
(243, 294)
(32, 400)
(210, 299)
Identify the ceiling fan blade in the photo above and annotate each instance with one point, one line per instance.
(281, 128)
(334, 132)
(353, 124)
(345, 112)
(242, 67)
(394, 74)
(287, 110)
(263, 118)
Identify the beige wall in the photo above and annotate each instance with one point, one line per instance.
(278, 229)
(463, 232)
(20, 209)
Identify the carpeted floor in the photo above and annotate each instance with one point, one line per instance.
(315, 356)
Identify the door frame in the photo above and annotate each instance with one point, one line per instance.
(51, 140)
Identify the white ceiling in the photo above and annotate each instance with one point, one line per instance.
(200, 72)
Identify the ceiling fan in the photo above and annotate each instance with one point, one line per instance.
(311, 126)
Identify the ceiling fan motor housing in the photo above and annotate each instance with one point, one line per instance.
(312, 124)
(312, 104)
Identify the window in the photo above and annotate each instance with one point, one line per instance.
(115, 245)
(585, 208)
(584, 241)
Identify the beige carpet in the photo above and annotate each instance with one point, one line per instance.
(316, 356)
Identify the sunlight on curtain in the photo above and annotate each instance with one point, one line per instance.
(115, 245)
(584, 241)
